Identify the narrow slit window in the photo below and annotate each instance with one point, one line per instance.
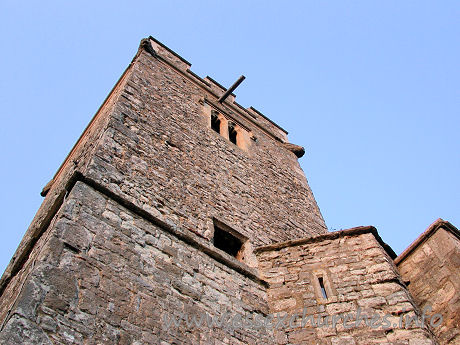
(232, 133)
(227, 242)
(323, 289)
(215, 122)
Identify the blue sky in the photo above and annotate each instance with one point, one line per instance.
(370, 88)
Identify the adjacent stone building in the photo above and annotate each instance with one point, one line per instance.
(430, 267)
(180, 217)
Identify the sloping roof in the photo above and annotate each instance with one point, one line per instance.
(330, 236)
(437, 224)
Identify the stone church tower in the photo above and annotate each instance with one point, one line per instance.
(175, 205)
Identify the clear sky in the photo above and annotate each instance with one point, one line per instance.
(370, 88)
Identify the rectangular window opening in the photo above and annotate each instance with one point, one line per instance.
(323, 289)
(226, 241)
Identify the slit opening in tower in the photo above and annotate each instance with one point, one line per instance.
(215, 122)
(323, 289)
(226, 241)
(232, 133)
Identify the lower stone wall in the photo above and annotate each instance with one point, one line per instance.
(105, 272)
(340, 279)
(105, 275)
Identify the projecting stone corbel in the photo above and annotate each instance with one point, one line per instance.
(147, 46)
(299, 151)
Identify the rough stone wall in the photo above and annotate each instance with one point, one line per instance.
(105, 275)
(433, 273)
(158, 153)
(357, 274)
(149, 146)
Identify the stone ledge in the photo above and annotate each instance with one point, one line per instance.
(186, 236)
(330, 236)
(190, 238)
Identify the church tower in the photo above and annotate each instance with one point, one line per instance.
(175, 201)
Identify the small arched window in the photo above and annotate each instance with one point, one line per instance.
(232, 133)
(228, 127)
(215, 122)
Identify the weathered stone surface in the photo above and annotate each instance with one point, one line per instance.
(123, 241)
(19, 330)
(159, 153)
(149, 146)
(431, 268)
(102, 293)
(361, 285)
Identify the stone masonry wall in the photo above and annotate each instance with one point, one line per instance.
(158, 153)
(357, 274)
(149, 146)
(433, 272)
(104, 275)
